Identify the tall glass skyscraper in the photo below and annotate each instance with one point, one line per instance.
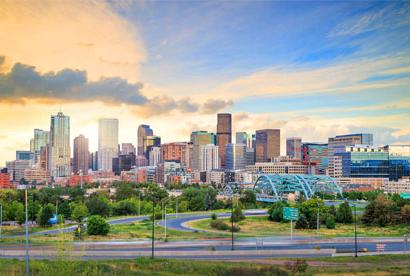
(294, 147)
(223, 134)
(41, 139)
(235, 156)
(198, 139)
(143, 131)
(60, 152)
(107, 143)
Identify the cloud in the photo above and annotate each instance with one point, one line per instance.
(84, 35)
(24, 82)
(214, 105)
(393, 16)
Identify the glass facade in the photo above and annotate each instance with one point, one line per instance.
(316, 154)
(399, 161)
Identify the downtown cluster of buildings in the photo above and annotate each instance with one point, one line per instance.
(208, 157)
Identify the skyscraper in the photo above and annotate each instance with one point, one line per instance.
(143, 131)
(223, 134)
(243, 138)
(235, 156)
(150, 142)
(350, 140)
(198, 139)
(267, 144)
(60, 152)
(81, 155)
(127, 148)
(107, 143)
(210, 157)
(41, 139)
(293, 147)
(154, 156)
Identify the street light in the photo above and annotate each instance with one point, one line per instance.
(355, 231)
(153, 227)
(1, 218)
(27, 249)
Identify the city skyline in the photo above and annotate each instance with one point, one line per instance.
(335, 68)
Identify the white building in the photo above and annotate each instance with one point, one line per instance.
(154, 156)
(60, 152)
(397, 187)
(209, 157)
(107, 143)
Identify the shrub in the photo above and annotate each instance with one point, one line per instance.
(213, 216)
(219, 225)
(79, 213)
(235, 228)
(330, 222)
(344, 213)
(302, 222)
(237, 215)
(276, 212)
(46, 213)
(298, 266)
(97, 225)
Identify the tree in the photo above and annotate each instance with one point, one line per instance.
(405, 214)
(330, 222)
(124, 191)
(344, 213)
(302, 222)
(64, 209)
(80, 212)
(276, 211)
(248, 199)
(97, 225)
(125, 207)
(195, 199)
(210, 198)
(20, 214)
(381, 211)
(98, 205)
(237, 215)
(46, 213)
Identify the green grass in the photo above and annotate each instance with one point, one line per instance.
(261, 226)
(368, 265)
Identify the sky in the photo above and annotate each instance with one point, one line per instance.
(312, 69)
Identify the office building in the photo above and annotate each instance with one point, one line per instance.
(278, 167)
(397, 187)
(315, 155)
(198, 139)
(107, 143)
(4, 179)
(155, 156)
(399, 161)
(143, 131)
(93, 165)
(81, 155)
(249, 156)
(235, 156)
(175, 152)
(150, 142)
(59, 146)
(16, 169)
(24, 155)
(243, 138)
(267, 144)
(40, 140)
(209, 157)
(294, 147)
(350, 140)
(223, 135)
(127, 148)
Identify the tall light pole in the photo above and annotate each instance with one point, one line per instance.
(27, 248)
(317, 217)
(232, 246)
(153, 228)
(1, 218)
(355, 232)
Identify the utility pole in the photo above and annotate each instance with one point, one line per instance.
(355, 232)
(153, 228)
(1, 218)
(232, 248)
(27, 249)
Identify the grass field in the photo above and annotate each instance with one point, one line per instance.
(369, 265)
(261, 226)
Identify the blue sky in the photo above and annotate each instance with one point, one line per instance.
(313, 69)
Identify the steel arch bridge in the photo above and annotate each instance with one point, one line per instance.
(274, 187)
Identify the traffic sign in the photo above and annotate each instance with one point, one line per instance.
(405, 195)
(290, 213)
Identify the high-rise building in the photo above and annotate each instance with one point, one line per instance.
(143, 131)
(4, 179)
(16, 169)
(93, 165)
(315, 155)
(235, 156)
(24, 155)
(350, 140)
(59, 146)
(81, 155)
(399, 161)
(178, 151)
(155, 156)
(249, 156)
(294, 147)
(267, 144)
(243, 138)
(209, 157)
(150, 142)
(41, 139)
(223, 135)
(198, 139)
(127, 148)
(107, 143)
